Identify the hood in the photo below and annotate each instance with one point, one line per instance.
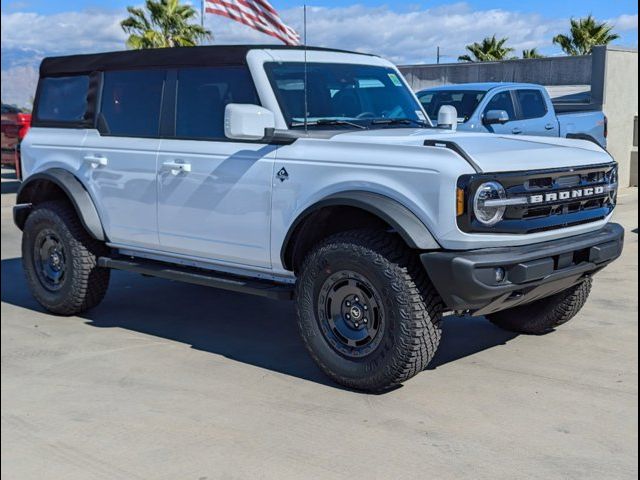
(490, 152)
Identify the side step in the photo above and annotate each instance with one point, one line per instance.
(263, 288)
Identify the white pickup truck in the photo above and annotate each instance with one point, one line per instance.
(308, 175)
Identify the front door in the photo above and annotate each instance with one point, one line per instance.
(504, 101)
(214, 195)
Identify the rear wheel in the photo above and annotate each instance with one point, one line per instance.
(366, 310)
(545, 315)
(60, 260)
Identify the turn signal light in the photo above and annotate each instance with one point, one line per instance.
(460, 201)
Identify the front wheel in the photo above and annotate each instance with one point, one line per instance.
(366, 310)
(544, 315)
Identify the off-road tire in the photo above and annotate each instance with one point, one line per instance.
(545, 315)
(84, 284)
(412, 309)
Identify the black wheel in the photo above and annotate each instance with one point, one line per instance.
(545, 315)
(60, 260)
(366, 310)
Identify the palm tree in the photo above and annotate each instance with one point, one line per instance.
(531, 53)
(168, 24)
(490, 50)
(585, 34)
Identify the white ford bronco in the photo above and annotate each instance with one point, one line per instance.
(313, 175)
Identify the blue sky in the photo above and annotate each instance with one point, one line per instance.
(552, 8)
(404, 32)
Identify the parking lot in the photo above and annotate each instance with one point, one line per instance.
(171, 381)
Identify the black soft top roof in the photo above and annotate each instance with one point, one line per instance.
(213, 55)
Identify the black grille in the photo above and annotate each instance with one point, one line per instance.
(524, 213)
(548, 215)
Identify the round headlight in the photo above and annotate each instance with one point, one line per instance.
(486, 213)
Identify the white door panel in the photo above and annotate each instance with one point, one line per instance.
(123, 180)
(215, 200)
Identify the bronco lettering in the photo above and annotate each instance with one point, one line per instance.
(567, 195)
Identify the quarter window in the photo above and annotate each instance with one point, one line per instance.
(131, 102)
(203, 94)
(502, 101)
(532, 104)
(63, 99)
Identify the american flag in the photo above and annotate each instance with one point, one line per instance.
(257, 14)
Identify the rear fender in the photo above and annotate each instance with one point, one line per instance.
(45, 185)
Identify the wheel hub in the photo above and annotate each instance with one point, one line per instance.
(55, 259)
(355, 311)
(49, 260)
(350, 314)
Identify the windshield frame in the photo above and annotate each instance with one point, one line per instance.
(342, 122)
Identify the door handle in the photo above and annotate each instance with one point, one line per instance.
(516, 131)
(177, 167)
(549, 126)
(96, 160)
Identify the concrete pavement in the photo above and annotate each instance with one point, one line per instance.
(172, 381)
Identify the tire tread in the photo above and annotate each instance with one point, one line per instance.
(420, 306)
(547, 314)
(90, 282)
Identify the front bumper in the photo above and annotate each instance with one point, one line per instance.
(467, 281)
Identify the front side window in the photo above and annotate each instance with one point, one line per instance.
(465, 101)
(502, 101)
(203, 94)
(362, 95)
(131, 102)
(62, 99)
(532, 104)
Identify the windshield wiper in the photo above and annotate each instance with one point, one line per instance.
(399, 121)
(328, 121)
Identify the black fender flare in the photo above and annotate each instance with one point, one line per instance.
(412, 230)
(72, 188)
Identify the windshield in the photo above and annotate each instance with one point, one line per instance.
(465, 101)
(344, 96)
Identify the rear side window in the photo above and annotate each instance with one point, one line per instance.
(62, 99)
(502, 101)
(131, 102)
(203, 94)
(532, 104)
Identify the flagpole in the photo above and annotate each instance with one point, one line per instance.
(306, 93)
(202, 13)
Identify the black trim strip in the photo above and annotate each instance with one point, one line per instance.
(262, 288)
(454, 147)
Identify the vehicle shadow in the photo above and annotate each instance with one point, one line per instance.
(252, 330)
(465, 336)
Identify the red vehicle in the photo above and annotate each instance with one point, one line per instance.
(15, 125)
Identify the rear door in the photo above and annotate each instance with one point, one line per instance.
(214, 193)
(537, 118)
(120, 155)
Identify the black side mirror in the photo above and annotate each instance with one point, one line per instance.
(495, 116)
